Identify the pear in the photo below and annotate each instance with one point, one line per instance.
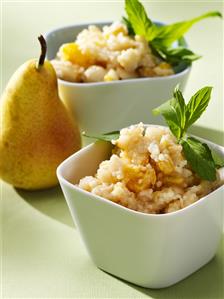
(37, 132)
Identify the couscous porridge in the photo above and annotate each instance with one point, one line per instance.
(108, 54)
(148, 172)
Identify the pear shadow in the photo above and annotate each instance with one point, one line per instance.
(50, 202)
(213, 135)
(207, 282)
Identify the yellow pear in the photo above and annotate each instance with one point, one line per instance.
(37, 132)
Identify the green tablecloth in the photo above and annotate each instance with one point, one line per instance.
(42, 255)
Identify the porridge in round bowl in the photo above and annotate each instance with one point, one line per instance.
(107, 55)
(137, 47)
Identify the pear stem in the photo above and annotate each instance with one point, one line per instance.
(43, 51)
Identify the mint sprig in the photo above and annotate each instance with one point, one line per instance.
(161, 38)
(104, 137)
(179, 117)
(128, 25)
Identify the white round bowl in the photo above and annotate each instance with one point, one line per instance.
(153, 251)
(107, 106)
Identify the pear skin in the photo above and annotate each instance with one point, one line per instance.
(37, 132)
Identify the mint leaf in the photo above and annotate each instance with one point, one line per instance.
(104, 137)
(180, 107)
(138, 19)
(181, 42)
(218, 160)
(197, 105)
(161, 38)
(168, 34)
(168, 111)
(175, 54)
(200, 158)
(128, 25)
(174, 113)
(179, 57)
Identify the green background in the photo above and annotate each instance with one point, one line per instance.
(42, 254)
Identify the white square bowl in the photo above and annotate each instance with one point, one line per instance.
(107, 106)
(153, 251)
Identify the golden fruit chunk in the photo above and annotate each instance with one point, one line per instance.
(166, 166)
(71, 52)
(139, 177)
(165, 65)
(173, 180)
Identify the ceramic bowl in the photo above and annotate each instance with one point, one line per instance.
(107, 106)
(153, 251)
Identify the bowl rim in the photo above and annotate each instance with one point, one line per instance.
(128, 210)
(134, 80)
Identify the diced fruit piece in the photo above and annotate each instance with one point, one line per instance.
(166, 166)
(71, 52)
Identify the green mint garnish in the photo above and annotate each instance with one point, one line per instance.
(200, 158)
(161, 38)
(104, 137)
(219, 162)
(179, 116)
